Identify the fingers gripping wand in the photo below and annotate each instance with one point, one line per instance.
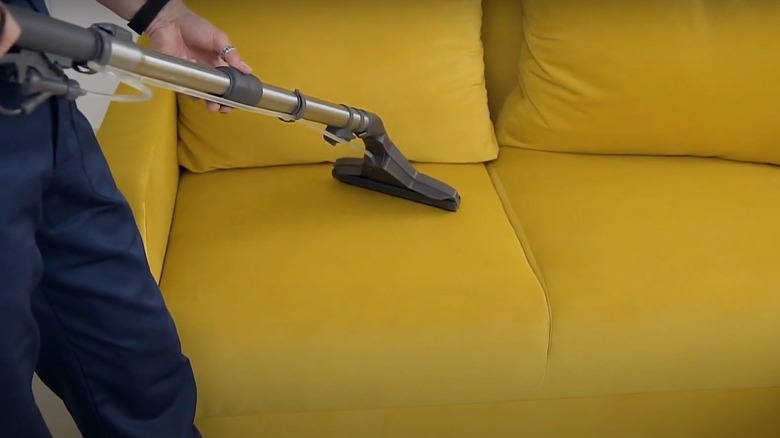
(48, 45)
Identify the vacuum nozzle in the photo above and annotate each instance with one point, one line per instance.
(386, 170)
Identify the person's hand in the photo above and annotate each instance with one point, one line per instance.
(9, 30)
(179, 32)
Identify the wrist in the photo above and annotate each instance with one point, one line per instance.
(173, 10)
(143, 15)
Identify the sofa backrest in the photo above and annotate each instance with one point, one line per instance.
(664, 77)
(418, 64)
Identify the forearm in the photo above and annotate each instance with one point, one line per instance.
(126, 9)
(123, 8)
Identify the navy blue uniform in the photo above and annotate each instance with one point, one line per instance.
(78, 304)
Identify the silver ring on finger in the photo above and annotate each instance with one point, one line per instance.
(224, 52)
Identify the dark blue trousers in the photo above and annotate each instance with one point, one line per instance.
(78, 304)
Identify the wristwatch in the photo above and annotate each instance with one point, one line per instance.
(144, 17)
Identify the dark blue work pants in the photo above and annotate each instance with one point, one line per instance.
(78, 304)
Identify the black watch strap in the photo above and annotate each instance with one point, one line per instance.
(144, 17)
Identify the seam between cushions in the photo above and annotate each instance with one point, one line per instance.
(147, 191)
(157, 155)
(526, 247)
(174, 139)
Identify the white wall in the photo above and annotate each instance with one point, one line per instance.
(84, 13)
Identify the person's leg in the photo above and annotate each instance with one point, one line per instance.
(109, 347)
(25, 159)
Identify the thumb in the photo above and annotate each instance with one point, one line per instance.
(232, 57)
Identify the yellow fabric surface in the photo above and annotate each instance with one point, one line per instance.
(501, 25)
(669, 77)
(139, 142)
(706, 414)
(293, 292)
(419, 65)
(662, 273)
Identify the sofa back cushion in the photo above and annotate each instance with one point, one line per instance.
(501, 26)
(667, 77)
(418, 65)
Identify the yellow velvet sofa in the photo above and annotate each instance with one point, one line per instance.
(613, 268)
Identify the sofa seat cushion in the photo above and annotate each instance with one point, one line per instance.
(293, 292)
(680, 414)
(662, 273)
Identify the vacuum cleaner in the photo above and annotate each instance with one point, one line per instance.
(48, 46)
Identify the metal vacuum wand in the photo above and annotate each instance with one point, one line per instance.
(47, 45)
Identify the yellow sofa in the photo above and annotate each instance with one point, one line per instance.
(612, 271)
